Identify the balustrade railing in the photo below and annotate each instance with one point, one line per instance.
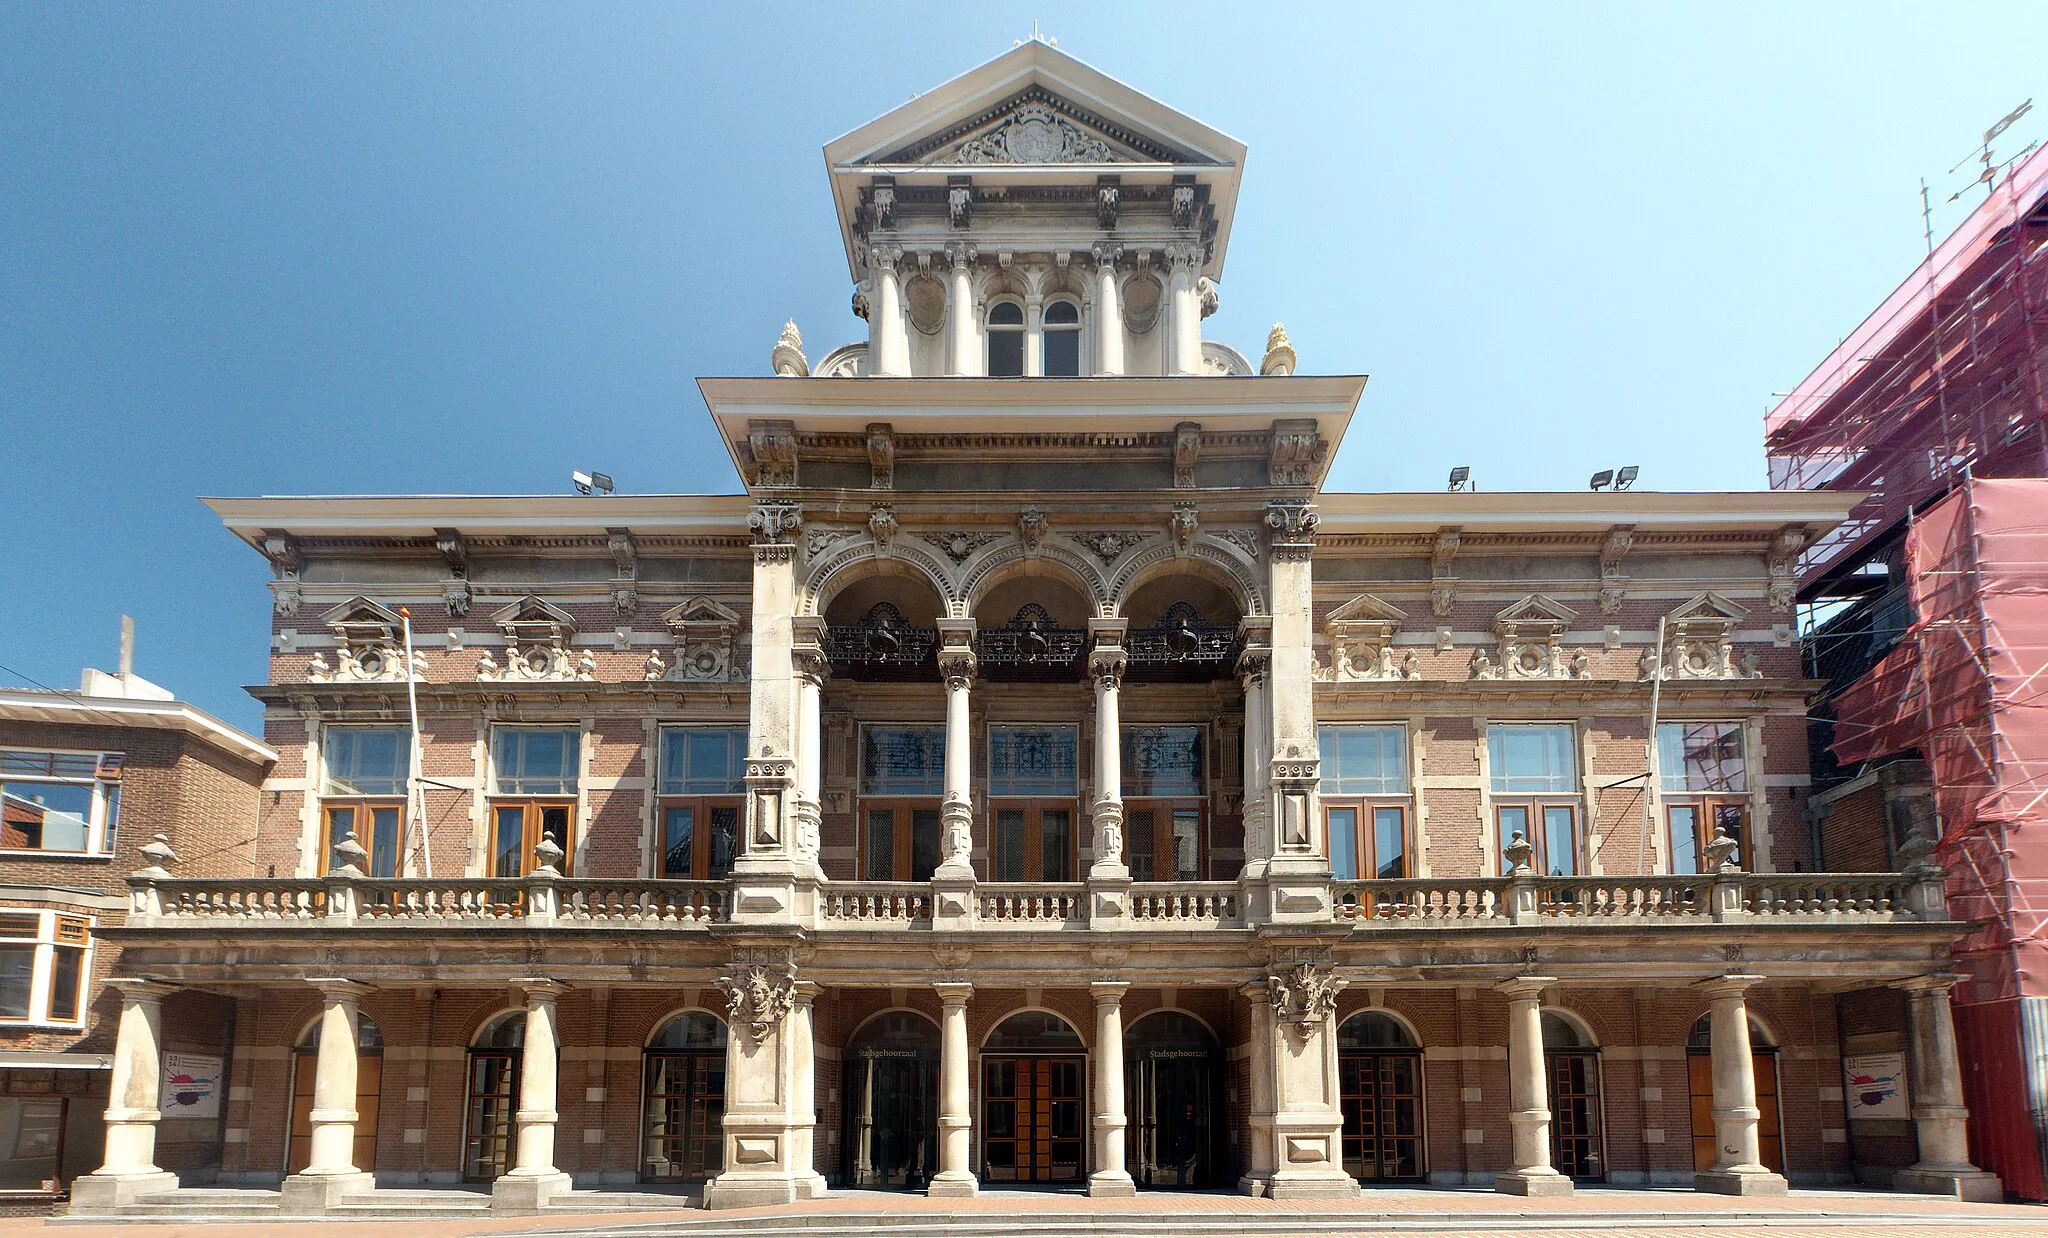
(1199, 902)
(1041, 903)
(1826, 894)
(445, 898)
(272, 899)
(641, 902)
(877, 902)
(1440, 900)
(1635, 898)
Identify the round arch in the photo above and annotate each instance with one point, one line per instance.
(1701, 1034)
(503, 1029)
(1008, 563)
(1208, 1028)
(1375, 1028)
(691, 1030)
(861, 560)
(861, 1028)
(1036, 1030)
(1205, 560)
(1567, 1029)
(369, 1037)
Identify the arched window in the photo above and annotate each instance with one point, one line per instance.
(1571, 1059)
(493, 1097)
(692, 1029)
(683, 1100)
(1702, 1036)
(507, 1031)
(369, 1086)
(1379, 1087)
(1372, 1029)
(1563, 1032)
(1033, 1031)
(1005, 340)
(1062, 340)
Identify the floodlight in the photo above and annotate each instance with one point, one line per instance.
(586, 483)
(581, 480)
(1602, 479)
(1459, 476)
(1626, 477)
(603, 482)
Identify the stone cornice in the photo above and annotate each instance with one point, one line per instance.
(1559, 514)
(73, 709)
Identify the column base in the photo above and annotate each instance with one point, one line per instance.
(1111, 1184)
(753, 1191)
(1311, 1186)
(100, 1195)
(1536, 1184)
(1739, 1182)
(949, 1184)
(305, 1194)
(523, 1194)
(1254, 1185)
(1969, 1184)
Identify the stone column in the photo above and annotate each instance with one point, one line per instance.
(1034, 336)
(533, 1178)
(1184, 311)
(1738, 1155)
(768, 1116)
(888, 341)
(1260, 1130)
(956, 811)
(331, 1170)
(962, 332)
(1110, 1176)
(1253, 667)
(129, 1170)
(1531, 1172)
(1939, 1118)
(806, 810)
(804, 1054)
(1109, 316)
(1298, 875)
(1295, 1045)
(956, 1108)
(1109, 877)
(772, 883)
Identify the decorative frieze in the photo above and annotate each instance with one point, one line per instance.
(1033, 133)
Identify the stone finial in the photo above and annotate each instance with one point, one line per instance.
(787, 357)
(160, 856)
(1721, 851)
(1279, 358)
(1917, 854)
(548, 854)
(1518, 853)
(348, 857)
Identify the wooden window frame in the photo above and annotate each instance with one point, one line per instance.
(1034, 811)
(1365, 827)
(532, 822)
(1164, 810)
(57, 936)
(903, 835)
(1707, 810)
(701, 866)
(369, 805)
(1538, 807)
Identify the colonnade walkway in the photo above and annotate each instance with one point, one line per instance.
(1839, 1213)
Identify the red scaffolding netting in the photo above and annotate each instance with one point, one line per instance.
(1968, 687)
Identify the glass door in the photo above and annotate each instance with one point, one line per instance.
(493, 1099)
(901, 841)
(1033, 841)
(1164, 840)
(1032, 1119)
(684, 1137)
(1381, 1095)
(1575, 1148)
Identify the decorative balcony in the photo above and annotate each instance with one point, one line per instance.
(883, 646)
(1183, 647)
(1031, 648)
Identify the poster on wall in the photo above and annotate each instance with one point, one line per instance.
(191, 1086)
(1875, 1085)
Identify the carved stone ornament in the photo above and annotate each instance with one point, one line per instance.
(1108, 199)
(1032, 527)
(1518, 853)
(705, 634)
(286, 561)
(1699, 640)
(537, 636)
(1303, 998)
(1246, 540)
(786, 359)
(774, 525)
(367, 646)
(1613, 585)
(1721, 851)
(1291, 530)
(1297, 452)
(1206, 294)
(1033, 133)
(1181, 525)
(959, 546)
(959, 205)
(881, 456)
(1783, 562)
(1109, 545)
(1361, 634)
(768, 453)
(821, 538)
(1279, 359)
(758, 997)
(882, 524)
(1187, 448)
(1183, 206)
(1529, 633)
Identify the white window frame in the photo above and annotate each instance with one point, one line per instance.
(329, 791)
(1367, 803)
(990, 329)
(1080, 329)
(44, 970)
(1536, 802)
(574, 775)
(103, 827)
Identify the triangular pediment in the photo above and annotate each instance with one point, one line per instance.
(1709, 605)
(1535, 609)
(700, 612)
(361, 610)
(1034, 127)
(1365, 608)
(533, 610)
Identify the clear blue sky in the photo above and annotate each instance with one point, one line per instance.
(277, 248)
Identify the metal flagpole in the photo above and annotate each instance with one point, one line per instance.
(1651, 779)
(415, 796)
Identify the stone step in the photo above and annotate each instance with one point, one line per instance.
(610, 1201)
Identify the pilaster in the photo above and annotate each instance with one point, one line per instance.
(767, 1126)
(1295, 1046)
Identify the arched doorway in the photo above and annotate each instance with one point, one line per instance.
(1033, 1090)
(682, 1131)
(892, 1102)
(1173, 1085)
(492, 1097)
(1763, 1060)
(1571, 1057)
(369, 1085)
(1379, 1084)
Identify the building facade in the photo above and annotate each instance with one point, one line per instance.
(91, 783)
(1035, 776)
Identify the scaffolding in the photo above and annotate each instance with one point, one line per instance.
(1944, 380)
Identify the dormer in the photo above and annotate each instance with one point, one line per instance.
(1033, 218)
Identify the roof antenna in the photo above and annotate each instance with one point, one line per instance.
(1989, 176)
(127, 663)
(1036, 36)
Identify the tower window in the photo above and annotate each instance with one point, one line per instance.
(1062, 340)
(1005, 340)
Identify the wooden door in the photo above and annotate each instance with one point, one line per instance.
(1381, 1099)
(492, 1102)
(1032, 1111)
(1575, 1137)
(1166, 840)
(684, 1136)
(1033, 840)
(1769, 1133)
(369, 1084)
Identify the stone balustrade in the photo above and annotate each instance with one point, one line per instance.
(1434, 903)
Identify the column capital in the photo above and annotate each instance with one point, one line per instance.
(141, 992)
(1106, 254)
(338, 990)
(884, 257)
(538, 989)
(1933, 982)
(1731, 985)
(806, 991)
(1108, 992)
(961, 254)
(1524, 988)
(953, 992)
